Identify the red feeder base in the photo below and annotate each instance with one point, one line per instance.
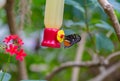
(50, 38)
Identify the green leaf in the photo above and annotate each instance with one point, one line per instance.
(75, 4)
(68, 32)
(70, 23)
(104, 25)
(6, 77)
(103, 43)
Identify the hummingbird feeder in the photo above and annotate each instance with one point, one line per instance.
(53, 36)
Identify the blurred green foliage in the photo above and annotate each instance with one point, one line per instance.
(73, 22)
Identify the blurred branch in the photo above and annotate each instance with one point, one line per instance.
(94, 63)
(24, 12)
(111, 56)
(92, 54)
(106, 60)
(109, 33)
(86, 16)
(106, 72)
(22, 8)
(78, 58)
(10, 15)
(22, 70)
(12, 26)
(71, 64)
(110, 12)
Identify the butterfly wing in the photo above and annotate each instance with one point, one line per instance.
(71, 40)
(67, 43)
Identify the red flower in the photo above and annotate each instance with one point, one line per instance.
(15, 47)
(20, 41)
(11, 49)
(7, 39)
(20, 55)
(14, 37)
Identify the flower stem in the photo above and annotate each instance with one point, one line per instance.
(5, 68)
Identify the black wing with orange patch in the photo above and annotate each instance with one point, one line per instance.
(71, 40)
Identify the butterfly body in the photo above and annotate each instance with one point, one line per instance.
(71, 40)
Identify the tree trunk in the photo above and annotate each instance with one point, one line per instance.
(12, 27)
(78, 57)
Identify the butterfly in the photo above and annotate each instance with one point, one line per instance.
(71, 40)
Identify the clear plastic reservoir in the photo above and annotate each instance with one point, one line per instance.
(54, 13)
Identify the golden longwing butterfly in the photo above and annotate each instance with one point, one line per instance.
(71, 40)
